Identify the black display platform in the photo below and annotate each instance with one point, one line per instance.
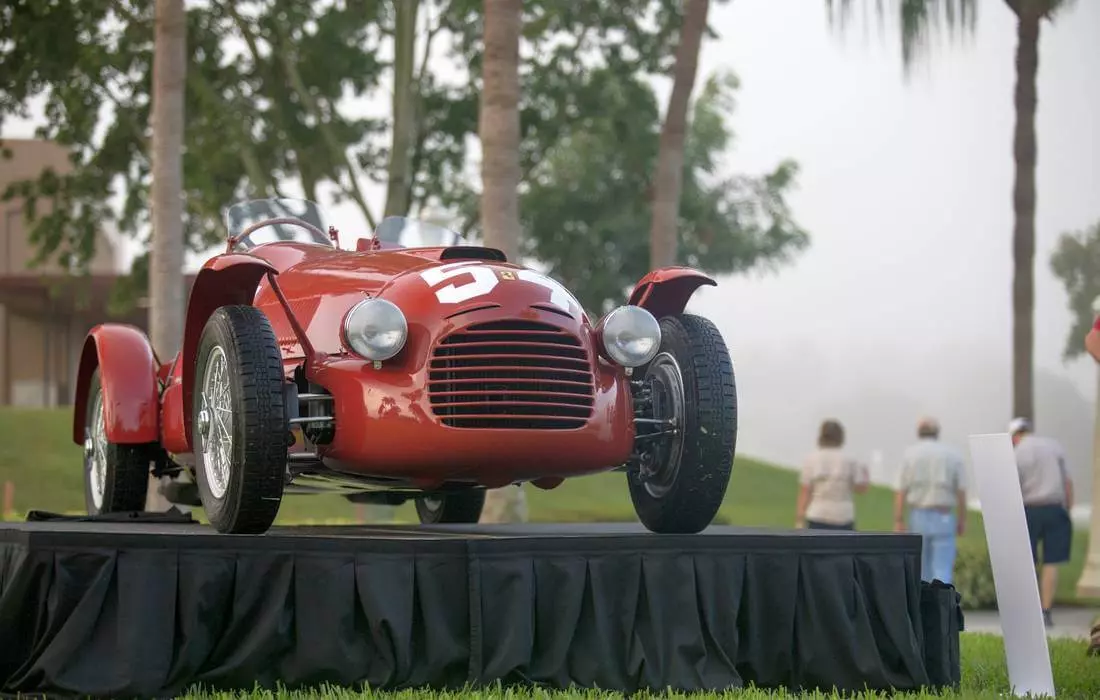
(117, 609)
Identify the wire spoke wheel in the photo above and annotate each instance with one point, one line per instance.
(239, 424)
(216, 423)
(116, 476)
(686, 418)
(666, 386)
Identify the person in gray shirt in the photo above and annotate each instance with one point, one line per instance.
(932, 484)
(1047, 490)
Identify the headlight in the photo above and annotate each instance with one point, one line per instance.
(375, 329)
(631, 335)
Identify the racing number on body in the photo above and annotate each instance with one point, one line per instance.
(484, 279)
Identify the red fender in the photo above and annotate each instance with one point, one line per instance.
(666, 291)
(224, 280)
(128, 372)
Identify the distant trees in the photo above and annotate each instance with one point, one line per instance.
(1076, 263)
(266, 89)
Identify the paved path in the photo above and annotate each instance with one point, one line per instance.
(1068, 622)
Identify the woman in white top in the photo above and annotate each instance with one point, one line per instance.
(830, 479)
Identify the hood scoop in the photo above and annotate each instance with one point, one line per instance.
(472, 252)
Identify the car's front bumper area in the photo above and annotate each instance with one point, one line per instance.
(491, 403)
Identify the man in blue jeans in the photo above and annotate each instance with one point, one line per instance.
(1047, 490)
(933, 486)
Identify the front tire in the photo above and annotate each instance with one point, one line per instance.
(116, 477)
(239, 422)
(459, 507)
(691, 385)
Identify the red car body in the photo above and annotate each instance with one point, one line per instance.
(426, 418)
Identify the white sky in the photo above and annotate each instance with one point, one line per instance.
(903, 303)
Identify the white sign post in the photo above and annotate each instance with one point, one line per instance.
(1021, 612)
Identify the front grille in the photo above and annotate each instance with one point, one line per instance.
(511, 374)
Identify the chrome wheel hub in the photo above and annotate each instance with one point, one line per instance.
(214, 428)
(666, 384)
(95, 453)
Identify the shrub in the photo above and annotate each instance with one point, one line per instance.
(974, 577)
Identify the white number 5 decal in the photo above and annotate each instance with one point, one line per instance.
(485, 280)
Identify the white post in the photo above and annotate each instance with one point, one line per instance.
(1021, 613)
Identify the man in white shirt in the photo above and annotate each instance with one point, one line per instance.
(933, 485)
(1047, 489)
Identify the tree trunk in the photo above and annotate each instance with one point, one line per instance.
(1023, 200)
(399, 188)
(498, 126)
(166, 299)
(166, 264)
(670, 156)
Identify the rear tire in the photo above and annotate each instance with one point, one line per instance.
(239, 422)
(459, 507)
(116, 477)
(683, 490)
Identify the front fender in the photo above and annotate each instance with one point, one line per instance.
(128, 374)
(224, 280)
(666, 291)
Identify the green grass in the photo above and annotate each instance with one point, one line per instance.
(984, 675)
(38, 455)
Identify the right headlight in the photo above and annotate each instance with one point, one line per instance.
(375, 329)
(631, 335)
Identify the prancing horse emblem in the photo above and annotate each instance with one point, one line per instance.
(507, 275)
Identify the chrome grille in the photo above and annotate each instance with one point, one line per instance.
(511, 374)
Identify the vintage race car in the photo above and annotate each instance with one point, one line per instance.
(415, 366)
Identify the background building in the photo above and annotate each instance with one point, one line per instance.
(45, 312)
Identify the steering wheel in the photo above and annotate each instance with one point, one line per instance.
(234, 241)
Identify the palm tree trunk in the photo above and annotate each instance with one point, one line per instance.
(498, 126)
(166, 265)
(670, 156)
(1023, 200)
(399, 188)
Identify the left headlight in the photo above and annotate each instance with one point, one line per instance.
(376, 329)
(631, 335)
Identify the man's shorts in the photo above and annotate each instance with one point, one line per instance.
(1051, 526)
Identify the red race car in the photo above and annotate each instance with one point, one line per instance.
(415, 366)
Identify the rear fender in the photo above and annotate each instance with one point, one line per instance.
(128, 373)
(666, 291)
(225, 280)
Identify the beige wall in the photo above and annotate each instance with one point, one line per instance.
(29, 159)
(38, 351)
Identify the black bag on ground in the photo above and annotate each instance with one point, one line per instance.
(942, 617)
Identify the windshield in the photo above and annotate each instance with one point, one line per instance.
(244, 214)
(414, 233)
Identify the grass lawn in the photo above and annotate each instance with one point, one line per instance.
(984, 675)
(37, 454)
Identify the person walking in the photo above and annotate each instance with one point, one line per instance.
(932, 483)
(1047, 490)
(829, 480)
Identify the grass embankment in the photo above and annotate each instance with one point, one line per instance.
(38, 455)
(984, 675)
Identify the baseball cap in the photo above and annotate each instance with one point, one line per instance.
(1018, 424)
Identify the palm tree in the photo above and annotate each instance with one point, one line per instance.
(668, 180)
(166, 265)
(915, 19)
(498, 129)
(498, 126)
